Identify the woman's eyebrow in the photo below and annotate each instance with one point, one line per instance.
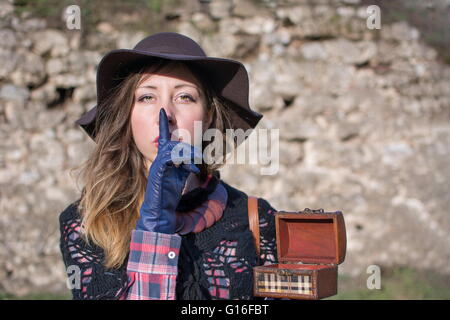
(176, 87)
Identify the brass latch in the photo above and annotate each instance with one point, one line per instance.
(285, 272)
(308, 210)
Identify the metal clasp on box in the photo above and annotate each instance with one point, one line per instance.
(313, 210)
(285, 272)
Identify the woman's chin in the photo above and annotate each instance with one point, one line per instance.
(149, 161)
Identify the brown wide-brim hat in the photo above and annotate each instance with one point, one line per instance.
(229, 78)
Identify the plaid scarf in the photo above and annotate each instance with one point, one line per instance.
(202, 207)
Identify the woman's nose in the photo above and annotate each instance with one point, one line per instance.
(170, 118)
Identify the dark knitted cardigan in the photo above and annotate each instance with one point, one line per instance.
(192, 283)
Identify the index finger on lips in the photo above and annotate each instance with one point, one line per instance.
(164, 134)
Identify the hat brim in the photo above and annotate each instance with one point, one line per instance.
(230, 80)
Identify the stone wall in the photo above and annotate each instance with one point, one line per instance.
(364, 119)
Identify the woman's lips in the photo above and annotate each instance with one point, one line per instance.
(155, 141)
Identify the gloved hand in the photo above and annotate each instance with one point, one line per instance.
(166, 180)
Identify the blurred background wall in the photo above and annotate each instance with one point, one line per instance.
(364, 119)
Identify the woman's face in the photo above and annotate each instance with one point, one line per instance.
(177, 91)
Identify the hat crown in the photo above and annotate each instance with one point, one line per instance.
(170, 42)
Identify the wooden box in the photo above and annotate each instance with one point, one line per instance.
(310, 245)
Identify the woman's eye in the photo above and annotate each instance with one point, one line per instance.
(188, 97)
(184, 98)
(142, 99)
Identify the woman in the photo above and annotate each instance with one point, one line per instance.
(148, 224)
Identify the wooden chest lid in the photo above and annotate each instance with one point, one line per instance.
(311, 236)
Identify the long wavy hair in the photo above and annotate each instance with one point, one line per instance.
(115, 174)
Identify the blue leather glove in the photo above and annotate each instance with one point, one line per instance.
(166, 180)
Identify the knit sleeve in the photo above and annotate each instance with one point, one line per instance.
(87, 278)
(268, 245)
(150, 273)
